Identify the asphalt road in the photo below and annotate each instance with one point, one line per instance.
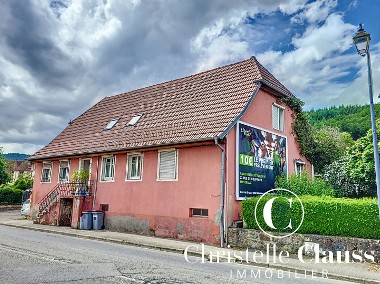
(37, 257)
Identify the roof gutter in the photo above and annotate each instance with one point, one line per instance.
(120, 150)
(232, 124)
(222, 190)
(270, 85)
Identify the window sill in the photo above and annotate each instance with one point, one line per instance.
(195, 216)
(167, 179)
(111, 180)
(133, 180)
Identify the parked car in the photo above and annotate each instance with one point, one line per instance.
(26, 195)
(25, 209)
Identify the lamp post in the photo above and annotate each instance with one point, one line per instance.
(361, 41)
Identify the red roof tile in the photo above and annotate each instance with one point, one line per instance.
(194, 108)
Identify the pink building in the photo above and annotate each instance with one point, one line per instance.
(173, 159)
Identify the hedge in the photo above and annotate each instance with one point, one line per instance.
(323, 215)
(9, 195)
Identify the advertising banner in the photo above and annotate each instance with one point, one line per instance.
(261, 157)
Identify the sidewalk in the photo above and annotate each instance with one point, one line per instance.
(354, 272)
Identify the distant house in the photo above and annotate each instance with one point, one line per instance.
(173, 159)
(17, 168)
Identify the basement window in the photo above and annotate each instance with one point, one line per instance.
(134, 120)
(111, 124)
(198, 212)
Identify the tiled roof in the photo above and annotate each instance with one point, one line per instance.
(195, 108)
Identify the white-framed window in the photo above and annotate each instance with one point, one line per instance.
(46, 171)
(167, 165)
(299, 167)
(64, 170)
(134, 166)
(108, 168)
(278, 117)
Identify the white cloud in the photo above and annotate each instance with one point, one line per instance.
(357, 92)
(221, 43)
(313, 69)
(292, 7)
(315, 12)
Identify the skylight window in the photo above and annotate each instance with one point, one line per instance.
(134, 120)
(111, 124)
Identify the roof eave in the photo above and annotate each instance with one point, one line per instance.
(232, 124)
(37, 158)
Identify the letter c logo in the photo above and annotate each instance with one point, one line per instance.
(267, 213)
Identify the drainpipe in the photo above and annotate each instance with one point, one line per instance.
(222, 189)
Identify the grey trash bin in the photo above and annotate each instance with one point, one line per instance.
(87, 220)
(97, 220)
(81, 223)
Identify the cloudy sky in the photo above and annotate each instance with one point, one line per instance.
(58, 58)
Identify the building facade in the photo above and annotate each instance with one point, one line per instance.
(174, 159)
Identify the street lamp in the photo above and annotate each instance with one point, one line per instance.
(361, 41)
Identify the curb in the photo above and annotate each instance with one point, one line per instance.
(181, 251)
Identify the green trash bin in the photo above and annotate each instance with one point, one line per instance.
(97, 220)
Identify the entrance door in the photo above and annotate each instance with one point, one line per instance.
(66, 212)
(85, 164)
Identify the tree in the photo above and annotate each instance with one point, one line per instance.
(329, 145)
(353, 175)
(362, 163)
(4, 176)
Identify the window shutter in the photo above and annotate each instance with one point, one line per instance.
(275, 117)
(168, 165)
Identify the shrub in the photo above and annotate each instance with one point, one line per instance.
(338, 176)
(10, 195)
(323, 215)
(303, 184)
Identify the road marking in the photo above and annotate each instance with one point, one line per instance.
(130, 279)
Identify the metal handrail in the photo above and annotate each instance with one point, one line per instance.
(64, 189)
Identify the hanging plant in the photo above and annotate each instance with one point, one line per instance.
(79, 180)
(301, 128)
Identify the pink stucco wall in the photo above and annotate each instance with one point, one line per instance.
(258, 114)
(166, 204)
(152, 206)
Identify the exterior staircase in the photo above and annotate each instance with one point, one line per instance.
(61, 190)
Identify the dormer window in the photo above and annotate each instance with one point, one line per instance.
(111, 124)
(134, 120)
